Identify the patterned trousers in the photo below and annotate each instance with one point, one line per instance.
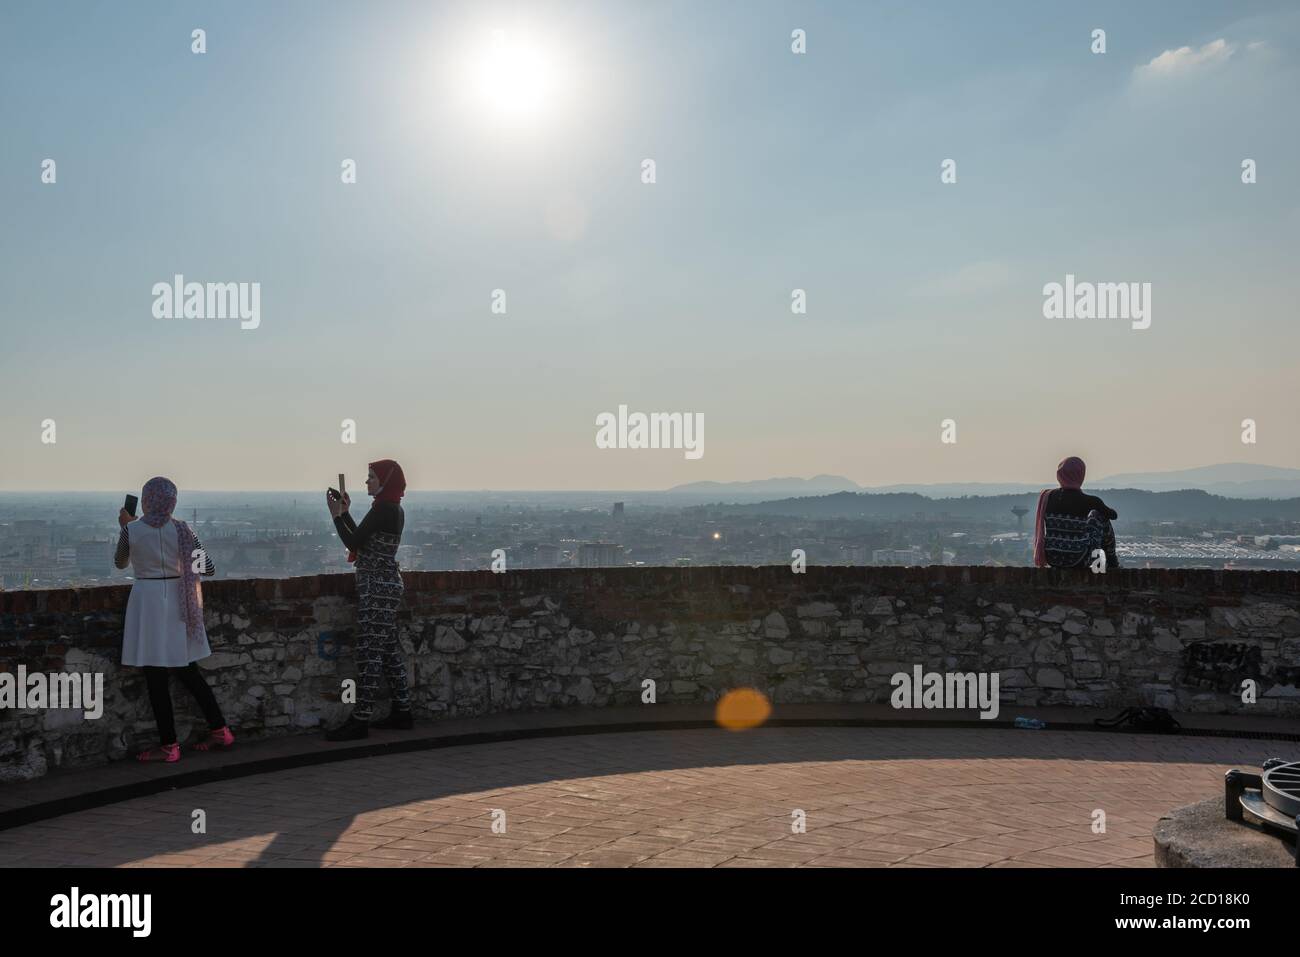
(377, 649)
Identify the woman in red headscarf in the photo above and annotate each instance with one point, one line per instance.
(373, 545)
(1072, 525)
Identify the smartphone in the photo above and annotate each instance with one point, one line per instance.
(130, 504)
(342, 486)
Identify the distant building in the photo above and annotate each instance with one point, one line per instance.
(31, 533)
(599, 555)
(899, 556)
(618, 510)
(95, 558)
(535, 555)
(1181, 553)
(1271, 541)
(440, 556)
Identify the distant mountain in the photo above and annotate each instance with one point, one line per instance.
(959, 489)
(1241, 480)
(1234, 479)
(817, 485)
(1229, 472)
(1132, 505)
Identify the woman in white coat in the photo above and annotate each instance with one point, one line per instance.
(164, 631)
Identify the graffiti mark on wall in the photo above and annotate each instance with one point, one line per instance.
(1221, 665)
(327, 646)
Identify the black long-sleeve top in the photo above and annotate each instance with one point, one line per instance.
(382, 517)
(1077, 504)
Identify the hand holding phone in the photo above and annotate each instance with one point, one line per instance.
(334, 502)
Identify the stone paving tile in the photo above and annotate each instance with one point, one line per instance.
(871, 798)
(603, 859)
(1030, 864)
(956, 856)
(825, 863)
(755, 862)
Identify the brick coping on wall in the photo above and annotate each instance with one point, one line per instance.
(1201, 581)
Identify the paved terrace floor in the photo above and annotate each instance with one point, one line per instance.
(913, 794)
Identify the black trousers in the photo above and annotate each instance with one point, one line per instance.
(155, 680)
(1105, 541)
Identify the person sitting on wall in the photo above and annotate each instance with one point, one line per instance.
(1072, 525)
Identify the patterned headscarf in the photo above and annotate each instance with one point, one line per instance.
(1069, 474)
(159, 500)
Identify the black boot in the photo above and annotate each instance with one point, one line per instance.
(349, 730)
(397, 720)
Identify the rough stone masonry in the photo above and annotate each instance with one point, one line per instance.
(478, 643)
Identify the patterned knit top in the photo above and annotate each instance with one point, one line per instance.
(1068, 541)
(379, 553)
(1074, 526)
(376, 539)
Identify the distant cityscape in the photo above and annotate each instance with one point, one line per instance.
(59, 541)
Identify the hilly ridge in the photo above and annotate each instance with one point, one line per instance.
(1131, 504)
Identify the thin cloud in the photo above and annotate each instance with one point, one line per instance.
(970, 280)
(1184, 60)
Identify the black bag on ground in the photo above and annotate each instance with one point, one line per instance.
(1149, 720)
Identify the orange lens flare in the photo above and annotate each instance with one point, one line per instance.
(742, 708)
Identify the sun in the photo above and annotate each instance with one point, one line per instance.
(515, 79)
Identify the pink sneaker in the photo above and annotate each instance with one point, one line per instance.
(219, 740)
(170, 753)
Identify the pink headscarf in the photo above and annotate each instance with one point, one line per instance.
(1069, 474)
(159, 500)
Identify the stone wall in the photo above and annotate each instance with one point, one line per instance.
(478, 643)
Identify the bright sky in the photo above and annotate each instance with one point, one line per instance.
(500, 146)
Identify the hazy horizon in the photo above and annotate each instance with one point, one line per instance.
(775, 171)
(1093, 482)
(358, 483)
